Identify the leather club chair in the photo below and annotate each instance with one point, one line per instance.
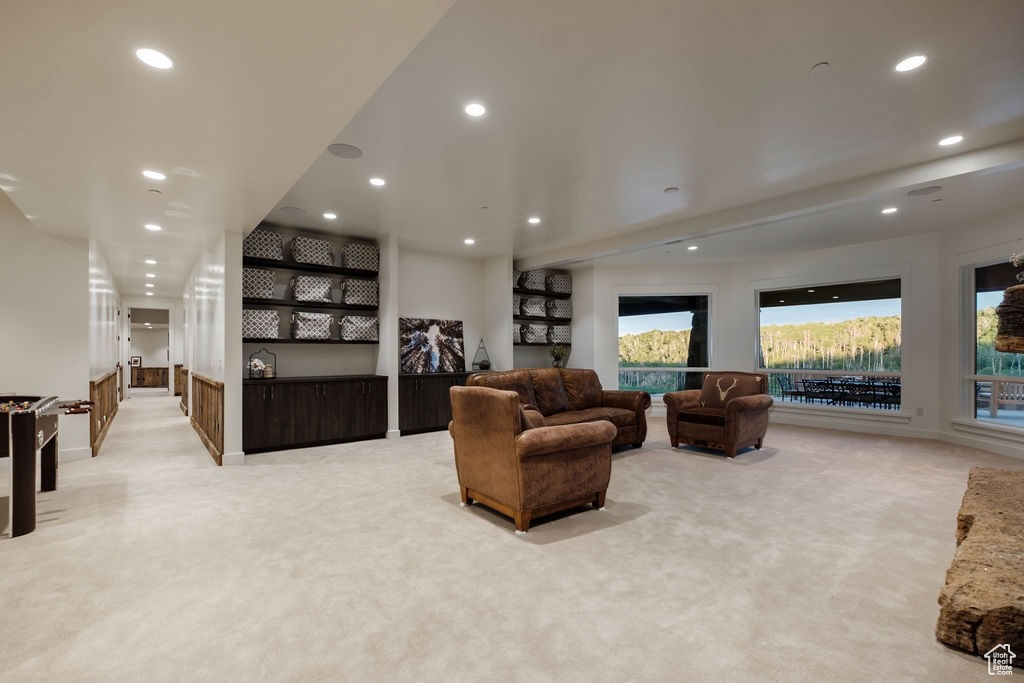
(728, 414)
(525, 472)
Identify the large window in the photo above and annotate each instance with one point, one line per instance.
(998, 379)
(663, 339)
(835, 345)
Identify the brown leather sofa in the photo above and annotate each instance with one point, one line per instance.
(559, 396)
(730, 412)
(520, 471)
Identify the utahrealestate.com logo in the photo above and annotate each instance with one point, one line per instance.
(1000, 660)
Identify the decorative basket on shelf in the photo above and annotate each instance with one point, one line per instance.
(262, 364)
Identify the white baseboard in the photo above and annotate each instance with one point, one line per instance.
(393, 434)
(991, 438)
(69, 454)
(236, 458)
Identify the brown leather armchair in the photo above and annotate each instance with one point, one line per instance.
(525, 472)
(729, 413)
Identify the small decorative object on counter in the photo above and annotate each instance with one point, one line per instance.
(481, 361)
(558, 354)
(261, 364)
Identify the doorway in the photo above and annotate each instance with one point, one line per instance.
(149, 352)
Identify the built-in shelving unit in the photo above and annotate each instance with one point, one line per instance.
(544, 288)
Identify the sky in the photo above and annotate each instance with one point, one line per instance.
(775, 315)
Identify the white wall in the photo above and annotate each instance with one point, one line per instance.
(152, 345)
(104, 314)
(984, 241)
(444, 288)
(204, 294)
(45, 320)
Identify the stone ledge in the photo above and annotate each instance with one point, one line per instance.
(982, 603)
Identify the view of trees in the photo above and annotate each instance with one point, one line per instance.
(861, 344)
(989, 361)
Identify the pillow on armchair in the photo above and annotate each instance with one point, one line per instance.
(719, 389)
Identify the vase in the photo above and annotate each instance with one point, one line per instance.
(1010, 316)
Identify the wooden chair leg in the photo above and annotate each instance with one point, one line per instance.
(599, 499)
(522, 520)
(466, 500)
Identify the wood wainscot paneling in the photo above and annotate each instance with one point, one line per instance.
(149, 377)
(103, 394)
(179, 379)
(184, 390)
(208, 413)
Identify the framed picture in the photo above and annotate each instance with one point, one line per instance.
(431, 345)
(136, 361)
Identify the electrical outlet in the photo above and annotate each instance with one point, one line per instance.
(920, 412)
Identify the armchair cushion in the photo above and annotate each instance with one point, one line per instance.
(531, 417)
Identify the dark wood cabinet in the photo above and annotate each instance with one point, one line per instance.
(424, 404)
(312, 411)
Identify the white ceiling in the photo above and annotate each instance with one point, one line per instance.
(594, 108)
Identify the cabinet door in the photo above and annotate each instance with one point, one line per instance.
(268, 412)
(372, 415)
(335, 403)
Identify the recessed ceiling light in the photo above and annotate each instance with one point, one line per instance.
(345, 151)
(782, 301)
(889, 210)
(692, 247)
(951, 140)
(475, 109)
(150, 285)
(330, 216)
(469, 240)
(150, 275)
(378, 182)
(154, 58)
(153, 227)
(149, 293)
(154, 175)
(911, 63)
(835, 297)
(811, 291)
(533, 220)
(151, 262)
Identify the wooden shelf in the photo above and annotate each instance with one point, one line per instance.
(543, 319)
(285, 340)
(308, 267)
(307, 304)
(549, 295)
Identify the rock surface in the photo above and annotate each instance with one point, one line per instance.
(982, 603)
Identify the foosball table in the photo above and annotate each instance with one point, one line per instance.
(28, 425)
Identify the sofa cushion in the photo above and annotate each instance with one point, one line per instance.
(719, 389)
(620, 417)
(510, 380)
(549, 391)
(582, 387)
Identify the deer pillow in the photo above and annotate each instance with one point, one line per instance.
(720, 389)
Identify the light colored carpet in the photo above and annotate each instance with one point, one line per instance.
(818, 558)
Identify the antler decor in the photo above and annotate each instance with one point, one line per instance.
(722, 393)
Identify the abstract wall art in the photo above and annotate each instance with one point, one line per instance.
(431, 345)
